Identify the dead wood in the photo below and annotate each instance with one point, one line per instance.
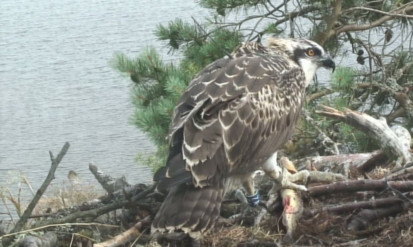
(392, 144)
(103, 204)
(364, 218)
(403, 174)
(129, 235)
(337, 163)
(379, 158)
(108, 183)
(279, 204)
(359, 185)
(256, 242)
(318, 95)
(96, 212)
(329, 145)
(351, 206)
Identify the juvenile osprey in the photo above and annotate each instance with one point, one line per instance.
(234, 115)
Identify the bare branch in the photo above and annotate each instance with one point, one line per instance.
(108, 183)
(348, 207)
(379, 11)
(55, 162)
(376, 23)
(310, 98)
(322, 37)
(359, 185)
(127, 236)
(58, 225)
(391, 143)
(93, 213)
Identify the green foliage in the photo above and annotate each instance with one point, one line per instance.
(154, 161)
(354, 140)
(343, 78)
(342, 83)
(156, 90)
(158, 86)
(178, 33)
(222, 7)
(220, 43)
(272, 29)
(402, 62)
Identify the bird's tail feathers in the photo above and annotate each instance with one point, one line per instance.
(190, 209)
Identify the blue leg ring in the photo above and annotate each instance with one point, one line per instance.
(254, 200)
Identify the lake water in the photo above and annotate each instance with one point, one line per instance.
(56, 85)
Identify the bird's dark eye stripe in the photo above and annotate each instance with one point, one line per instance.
(298, 53)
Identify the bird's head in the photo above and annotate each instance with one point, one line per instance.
(306, 53)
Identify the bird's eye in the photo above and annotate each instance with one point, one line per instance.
(310, 52)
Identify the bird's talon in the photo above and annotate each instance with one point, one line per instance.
(293, 186)
(303, 188)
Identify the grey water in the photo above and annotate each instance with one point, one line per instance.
(57, 85)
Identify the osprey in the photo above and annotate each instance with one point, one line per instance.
(231, 120)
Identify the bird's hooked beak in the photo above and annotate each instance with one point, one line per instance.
(328, 63)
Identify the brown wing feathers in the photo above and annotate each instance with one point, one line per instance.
(234, 114)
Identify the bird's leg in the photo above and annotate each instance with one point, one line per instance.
(248, 185)
(253, 197)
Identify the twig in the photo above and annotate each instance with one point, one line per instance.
(408, 171)
(287, 17)
(399, 194)
(334, 162)
(317, 239)
(71, 240)
(88, 207)
(84, 236)
(391, 144)
(356, 242)
(83, 214)
(346, 207)
(326, 140)
(378, 11)
(203, 30)
(137, 238)
(378, 22)
(310, 98)
(108, 183)
(55, 162)
(57, 225)
(97, 211)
